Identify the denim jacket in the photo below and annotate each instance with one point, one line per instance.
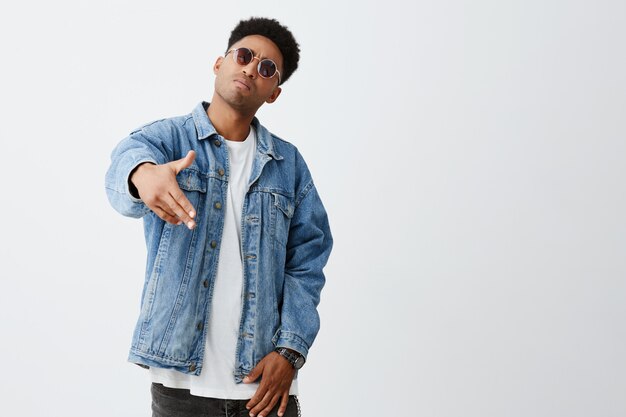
(285, 243)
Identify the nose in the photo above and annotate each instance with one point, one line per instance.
(250, 70)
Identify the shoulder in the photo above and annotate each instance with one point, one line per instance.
(292, 162)
(165, 127)
(283, 147)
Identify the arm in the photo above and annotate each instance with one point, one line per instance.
(308, 248)
(142, 178)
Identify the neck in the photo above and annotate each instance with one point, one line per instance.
(232, 124)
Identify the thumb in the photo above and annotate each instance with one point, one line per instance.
(185, 162)
(255, 373)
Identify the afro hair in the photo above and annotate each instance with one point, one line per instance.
(277, 33)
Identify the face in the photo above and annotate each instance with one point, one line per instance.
(240, 86)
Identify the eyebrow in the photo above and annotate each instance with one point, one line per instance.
(260, 57)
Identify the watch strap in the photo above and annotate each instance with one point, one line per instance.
(295, 359)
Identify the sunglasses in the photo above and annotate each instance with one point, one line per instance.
(266, 68)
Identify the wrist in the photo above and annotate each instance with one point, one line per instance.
(132, 177)
(293, 357)
(139, 169)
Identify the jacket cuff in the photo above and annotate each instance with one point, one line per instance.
(292, 341)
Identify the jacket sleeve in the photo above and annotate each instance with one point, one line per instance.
(141, 146)
(308, 249)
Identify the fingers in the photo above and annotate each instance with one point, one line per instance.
(185, 162)
(283, 404)
(266, 405)
(167, 216)
(181, 207)
(274, 386)
(179, 203)
(159, 190)
(172, 210)
(255, 373)
(261, 391)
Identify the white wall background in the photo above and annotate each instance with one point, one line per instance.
(471, 155)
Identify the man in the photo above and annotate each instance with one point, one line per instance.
(237, 238)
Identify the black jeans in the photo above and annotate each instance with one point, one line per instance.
(173, 402)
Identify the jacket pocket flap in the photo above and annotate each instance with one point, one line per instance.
(285, 204)
(191, 180)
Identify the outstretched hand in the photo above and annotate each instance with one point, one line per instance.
(159, 190)
(277, 375)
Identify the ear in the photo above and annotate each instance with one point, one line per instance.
(274, 95)
(218, 64)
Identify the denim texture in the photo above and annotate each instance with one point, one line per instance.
(174, 402)
(285, 235)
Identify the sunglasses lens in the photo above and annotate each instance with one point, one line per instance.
(243, 56)
(267, 68)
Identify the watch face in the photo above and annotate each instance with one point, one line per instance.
(299, 362)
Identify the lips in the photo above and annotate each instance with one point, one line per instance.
(242, 83)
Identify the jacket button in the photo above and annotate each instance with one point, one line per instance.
(217, 143)
(221, 172)
(218, 205)
(205, 283)
(192, 367)
(213, 245)
(200, 326)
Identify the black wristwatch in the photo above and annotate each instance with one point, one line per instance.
(295, 359)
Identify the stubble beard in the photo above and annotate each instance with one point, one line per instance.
(236, 101)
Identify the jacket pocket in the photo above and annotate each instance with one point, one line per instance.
(282, 212)
(194, 185)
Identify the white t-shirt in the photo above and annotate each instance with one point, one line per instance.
(216, 379)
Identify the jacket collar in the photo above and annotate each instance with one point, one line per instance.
(205, 129)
